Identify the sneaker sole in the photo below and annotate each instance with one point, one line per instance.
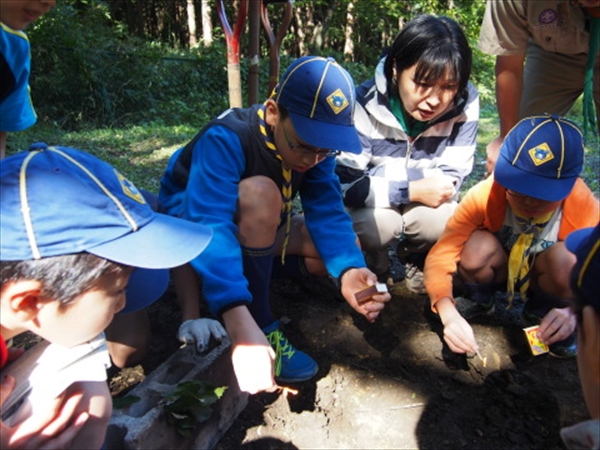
(297, 379)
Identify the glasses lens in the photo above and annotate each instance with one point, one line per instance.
(308, 151)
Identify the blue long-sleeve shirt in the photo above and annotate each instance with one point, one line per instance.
(16, 109)
(201, 184)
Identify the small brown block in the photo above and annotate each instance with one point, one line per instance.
(365, 294)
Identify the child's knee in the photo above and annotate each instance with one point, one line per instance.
(128, 356)
(551, 270)
(482, 249)
(128, 338)
(259, 191)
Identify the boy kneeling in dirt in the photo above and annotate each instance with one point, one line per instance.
(73, 230)
(239, 175)
(507, 233)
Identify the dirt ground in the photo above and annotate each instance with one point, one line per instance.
(392, 384)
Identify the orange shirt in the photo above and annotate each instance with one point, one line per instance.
(483, 208)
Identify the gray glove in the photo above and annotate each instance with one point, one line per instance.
(199, 331)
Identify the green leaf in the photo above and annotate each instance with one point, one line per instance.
(188, 404)
(220, 391)
(123, 402)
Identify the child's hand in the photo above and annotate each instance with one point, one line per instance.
(252, 356)
(199, 331)
(557, 325)
(55, 428)
(253, 365)
(458, 334)
(355, 280)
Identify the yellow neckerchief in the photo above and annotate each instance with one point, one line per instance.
(286, 187)
(519, 264)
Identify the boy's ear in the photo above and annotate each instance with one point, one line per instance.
(272, 112)
(22, 299)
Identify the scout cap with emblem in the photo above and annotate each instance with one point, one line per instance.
(58, 200)
(319, 96)
(542, 157)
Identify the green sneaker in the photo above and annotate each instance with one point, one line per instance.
(291, 365)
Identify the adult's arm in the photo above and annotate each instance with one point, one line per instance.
(509, 88)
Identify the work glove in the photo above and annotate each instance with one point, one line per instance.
(199, 331)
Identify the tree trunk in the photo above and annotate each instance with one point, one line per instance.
(301, 35)
(191, 19)
(207, 26)
(349, 41)
(321, 30)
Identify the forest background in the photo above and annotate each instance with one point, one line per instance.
(132, 80)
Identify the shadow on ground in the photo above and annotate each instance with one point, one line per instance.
(391, 384)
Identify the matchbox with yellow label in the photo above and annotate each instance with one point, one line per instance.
(536, 346)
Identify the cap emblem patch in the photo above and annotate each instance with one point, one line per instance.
(541, 154)
(129, 189)
(338, 101)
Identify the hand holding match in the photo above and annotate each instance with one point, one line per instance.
(483, 360)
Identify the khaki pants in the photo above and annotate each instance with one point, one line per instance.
(553, 82)
(417, 226)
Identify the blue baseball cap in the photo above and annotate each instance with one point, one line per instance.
(59, 200)
(542, 157)
(585, 244)
(145, 287)
(319, 96)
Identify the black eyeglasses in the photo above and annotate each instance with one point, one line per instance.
(515, 194)
(304, 150)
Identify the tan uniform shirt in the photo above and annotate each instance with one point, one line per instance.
(555, 25)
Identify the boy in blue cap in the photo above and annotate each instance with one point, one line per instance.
(239, 175)
(585, 245)
(72, 231)
(508, 232)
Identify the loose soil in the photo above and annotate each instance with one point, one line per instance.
(391, 384)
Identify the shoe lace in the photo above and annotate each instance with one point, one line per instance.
(282, 348)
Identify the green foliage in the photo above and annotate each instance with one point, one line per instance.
(133, 102)
(140, 152)
(189, 404)
(377, 23)
(124, 402)
(87, 70)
